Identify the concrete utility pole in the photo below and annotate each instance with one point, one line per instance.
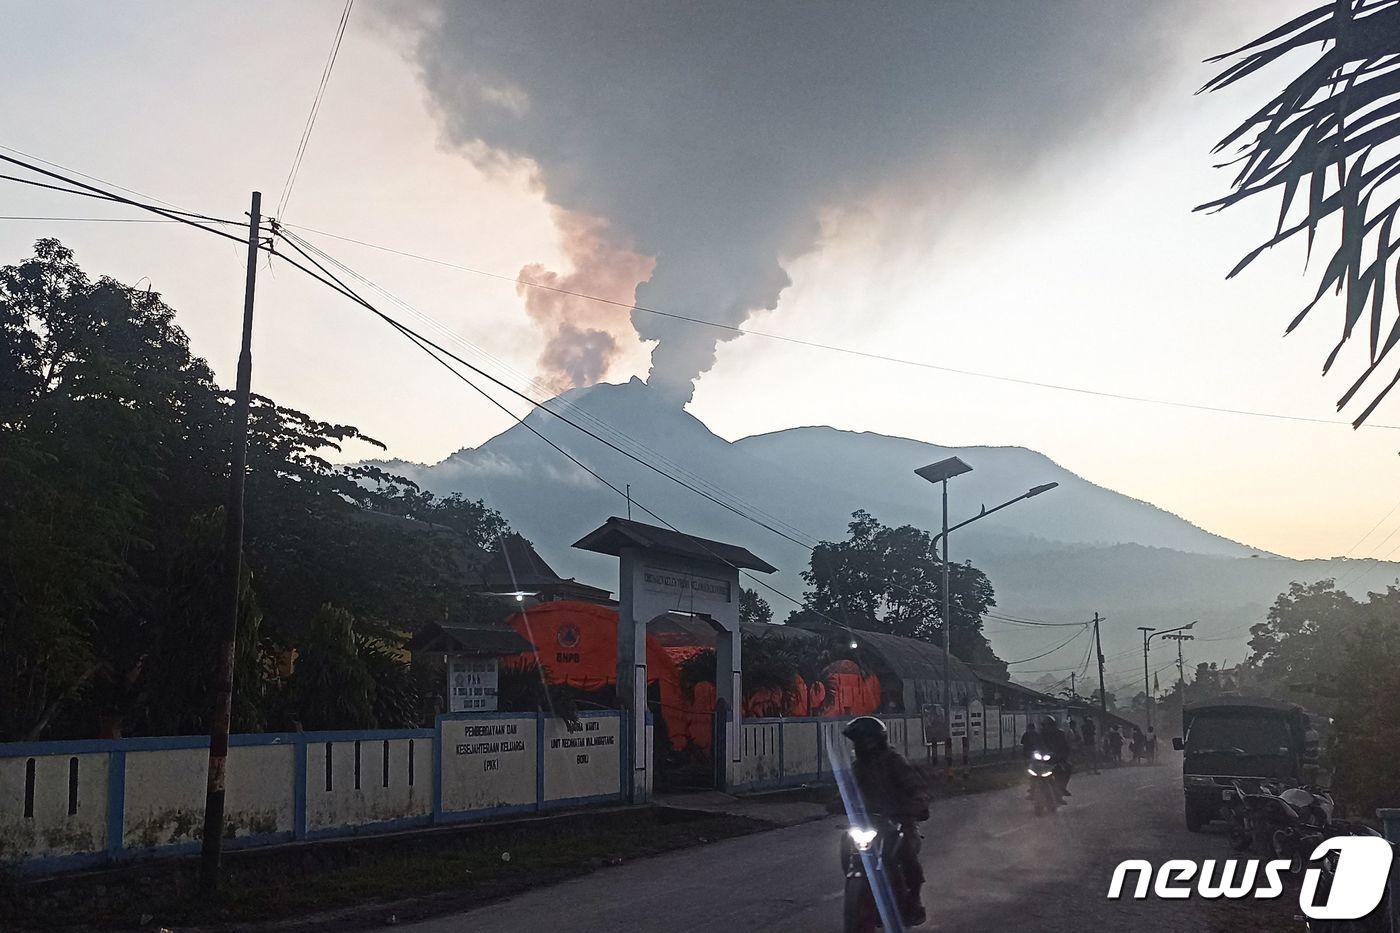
(1146, 684)
(213, 841)
(1180, 637)
(1147, 635)
(1073, 694)
(1103, 688)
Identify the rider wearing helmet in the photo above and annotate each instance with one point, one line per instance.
(891, 787)
(1054, 743)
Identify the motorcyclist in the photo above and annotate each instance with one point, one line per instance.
(1054, 743)
(891, 787)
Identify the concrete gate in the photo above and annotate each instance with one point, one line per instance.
(661, 571)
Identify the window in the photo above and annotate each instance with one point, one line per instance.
(72, 786)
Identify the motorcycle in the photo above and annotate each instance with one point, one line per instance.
(1045, 789)
(869, 855)
(1288, 824)
(1239, 814)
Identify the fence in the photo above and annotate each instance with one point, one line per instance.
(786, 752)
(74, 804)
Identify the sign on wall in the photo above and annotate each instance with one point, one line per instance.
(471, 684)
(685, 587)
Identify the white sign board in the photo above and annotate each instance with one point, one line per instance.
(686, 587)
(471, 684)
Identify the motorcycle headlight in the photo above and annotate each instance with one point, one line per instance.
(1041, 756)
(863, 838)
(1032, 772)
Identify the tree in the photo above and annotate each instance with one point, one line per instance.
(114, 443)
(1361, 744)
(1297, 652)
(1330, 131)
(754, 608)
(890, 579)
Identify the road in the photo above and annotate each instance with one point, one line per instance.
(991, 864)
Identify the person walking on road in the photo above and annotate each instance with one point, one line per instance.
(1115, 745)
(1091, 743)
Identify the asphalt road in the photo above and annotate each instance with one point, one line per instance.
(991, 864)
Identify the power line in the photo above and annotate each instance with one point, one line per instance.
(330, 280)
(91, 220)
(836, 348)
(434, 351)
(315, 109)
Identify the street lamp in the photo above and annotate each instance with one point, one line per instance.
(940, 473)
(1146, 641)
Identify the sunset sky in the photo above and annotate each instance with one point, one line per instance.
(1083, 267)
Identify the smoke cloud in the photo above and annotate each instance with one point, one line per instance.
(582, 336)
(710, 135)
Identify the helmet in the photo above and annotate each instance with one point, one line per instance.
(865, 730)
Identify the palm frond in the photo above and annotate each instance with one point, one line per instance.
(1318, 133)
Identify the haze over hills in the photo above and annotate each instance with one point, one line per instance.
(1062, 556)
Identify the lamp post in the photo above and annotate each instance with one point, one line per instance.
(940, 473)
(1146, 641)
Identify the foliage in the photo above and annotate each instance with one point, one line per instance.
(331, 686)
(1298, 651)
(754, 608)
(1330, 131)
(114, 444)
(891, 580)
(1339, 657)
(1361, 744)
(524, 686)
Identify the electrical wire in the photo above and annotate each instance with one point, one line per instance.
(434, 350)
(295, 170)
(850, 351)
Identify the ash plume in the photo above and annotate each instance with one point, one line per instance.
(711, 134)
(581, 335)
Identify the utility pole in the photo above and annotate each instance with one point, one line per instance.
(1146, 684)
(947, 634)
(1180, 637)
(1103, 688)
(1074, 694)
(213, 841)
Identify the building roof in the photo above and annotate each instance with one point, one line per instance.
(618, 533)
(907, 658)
(458, 639)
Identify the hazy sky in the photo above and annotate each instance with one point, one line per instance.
(1082, 265)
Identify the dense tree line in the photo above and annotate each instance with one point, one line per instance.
(114, 451)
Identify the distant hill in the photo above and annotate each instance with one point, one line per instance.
(1078, 549)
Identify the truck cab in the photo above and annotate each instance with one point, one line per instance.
(1240, 739)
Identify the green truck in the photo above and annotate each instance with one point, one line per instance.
(1245, 740)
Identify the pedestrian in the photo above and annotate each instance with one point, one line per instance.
(1139, 746)
(1115, 745)
(1151, 746)
(1091, 744)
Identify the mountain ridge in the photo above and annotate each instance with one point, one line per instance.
(1060, 557)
